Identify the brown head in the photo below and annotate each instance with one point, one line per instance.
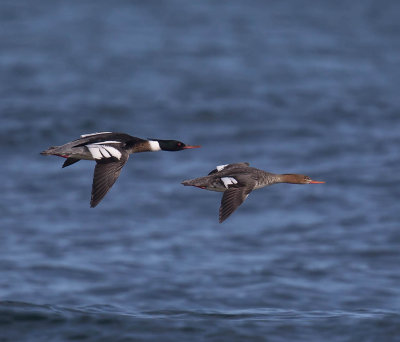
(298, 179)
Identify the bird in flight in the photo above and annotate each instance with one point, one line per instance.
(236, 181)
(110, 151)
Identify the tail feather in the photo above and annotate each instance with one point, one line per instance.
(189, 182)
(199, 182)
(186, 182)
(51, 150)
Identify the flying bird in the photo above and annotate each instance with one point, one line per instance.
(110, 151)
(236, 181)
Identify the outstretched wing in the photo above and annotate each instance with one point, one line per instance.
(231, 200)
(227, 167)
(103, 137)
(106, 173)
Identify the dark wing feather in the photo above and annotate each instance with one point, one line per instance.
(229, 167)
(70, 161)
(231, 200)
(98, 138)
(106, 173)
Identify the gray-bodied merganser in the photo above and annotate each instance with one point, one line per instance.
(110, 151)
(236, 181)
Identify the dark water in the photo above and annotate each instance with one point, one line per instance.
(289, 86)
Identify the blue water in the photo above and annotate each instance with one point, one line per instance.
(289, 86)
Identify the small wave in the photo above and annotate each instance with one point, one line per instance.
(21, 321)
(31, 311)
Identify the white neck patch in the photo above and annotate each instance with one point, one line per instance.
(154, 145)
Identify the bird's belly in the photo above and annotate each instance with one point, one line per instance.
(216, 186)
(78, 153)
(81, 156)
(216, 189)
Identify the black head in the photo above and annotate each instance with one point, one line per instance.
(173, 145)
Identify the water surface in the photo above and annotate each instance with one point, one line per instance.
(291, 87)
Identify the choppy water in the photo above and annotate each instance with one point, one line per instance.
(299, 86)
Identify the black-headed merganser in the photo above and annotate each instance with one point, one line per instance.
(236, 181)
(110, 151)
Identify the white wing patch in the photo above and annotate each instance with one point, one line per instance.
(113, 151)
(221, 167)
(228, 181)
(94, 151)
(99, 151)
(105, 152)
(107, 142)
(90, 134)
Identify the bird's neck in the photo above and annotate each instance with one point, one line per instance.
(143, 146)
(268, 178)
(289, 178)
